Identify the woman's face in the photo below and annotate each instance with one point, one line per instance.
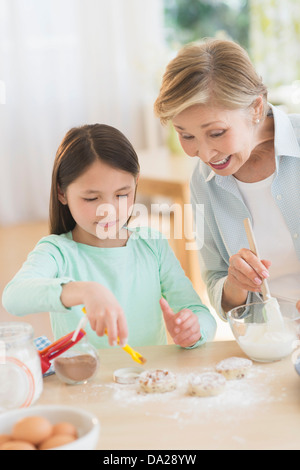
(100, 201)
(222, 139)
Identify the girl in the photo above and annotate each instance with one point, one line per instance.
(93, 258)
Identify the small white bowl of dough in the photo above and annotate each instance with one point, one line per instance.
(49, 427)
(127, 375)
(266, 331)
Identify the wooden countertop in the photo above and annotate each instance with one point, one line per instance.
(261, 411)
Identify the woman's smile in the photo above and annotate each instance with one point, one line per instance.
(221, 164)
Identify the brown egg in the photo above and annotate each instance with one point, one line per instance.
(17, 445)
(4, 438)
(33, 429)
(56, 441)
(64, 428)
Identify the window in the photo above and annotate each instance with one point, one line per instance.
(192, 20)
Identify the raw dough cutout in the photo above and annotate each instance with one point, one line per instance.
(208, 384)
(234, 367)
(157, 381)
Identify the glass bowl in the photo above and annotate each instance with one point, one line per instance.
(266, 338)
(78, 364)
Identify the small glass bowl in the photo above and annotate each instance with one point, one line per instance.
(262, 339)
(78, 364)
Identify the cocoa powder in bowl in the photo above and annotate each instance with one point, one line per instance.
(76, 368)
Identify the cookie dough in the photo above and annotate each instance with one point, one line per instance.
(157, 381)
(208, 384)
(234, 367)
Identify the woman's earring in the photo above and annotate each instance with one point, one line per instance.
(257, 121)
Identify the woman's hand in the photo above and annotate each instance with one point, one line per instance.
(245, 273)
(298, 306)
(183, 326)
(102, 309)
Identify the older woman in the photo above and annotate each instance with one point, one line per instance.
(249, 166)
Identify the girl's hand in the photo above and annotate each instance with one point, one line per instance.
(105, 313)
(183, 326)
(102, 309)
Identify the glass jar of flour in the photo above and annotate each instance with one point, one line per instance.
(21, 381)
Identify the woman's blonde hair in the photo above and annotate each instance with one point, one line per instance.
(215, 72)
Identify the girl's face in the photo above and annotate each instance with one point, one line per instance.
(100, 201)
(222, 139)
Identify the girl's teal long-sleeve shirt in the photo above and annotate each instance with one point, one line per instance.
(138, 274)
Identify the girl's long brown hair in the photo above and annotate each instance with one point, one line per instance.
(79, 149)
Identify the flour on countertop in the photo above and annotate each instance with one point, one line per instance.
(239, 396)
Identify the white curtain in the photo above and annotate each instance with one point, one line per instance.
(65, 63)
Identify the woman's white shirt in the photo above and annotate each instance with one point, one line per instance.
(273, 238)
